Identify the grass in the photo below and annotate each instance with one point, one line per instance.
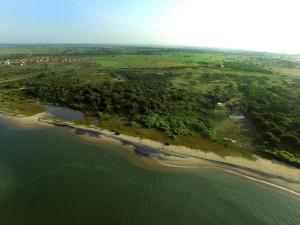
(239, 130)
(139, 61)
(163, 60)
(193, 141)
(285, 156)
(14, 104)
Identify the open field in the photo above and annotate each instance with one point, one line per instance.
(160, 61)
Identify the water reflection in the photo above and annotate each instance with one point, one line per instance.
(64, 113)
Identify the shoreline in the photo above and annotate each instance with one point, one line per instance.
(22, 121)
(268, 172)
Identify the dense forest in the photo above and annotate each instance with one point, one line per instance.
(146, 98)
(275, 112)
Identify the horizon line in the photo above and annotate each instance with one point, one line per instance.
(152, 46)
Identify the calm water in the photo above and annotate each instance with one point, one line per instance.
(50, 177)
(64, 113)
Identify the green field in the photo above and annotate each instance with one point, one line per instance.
(166, 94)
(160, 61)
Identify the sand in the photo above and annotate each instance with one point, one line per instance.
(21, 121)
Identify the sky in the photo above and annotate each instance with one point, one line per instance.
(258, 25)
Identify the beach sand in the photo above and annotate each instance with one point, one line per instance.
(22, 122)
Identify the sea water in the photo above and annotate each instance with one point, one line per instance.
(51, 177)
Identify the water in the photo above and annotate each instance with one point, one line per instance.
(64, 113)
(51, 177)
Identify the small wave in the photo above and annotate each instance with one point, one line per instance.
(238, 174)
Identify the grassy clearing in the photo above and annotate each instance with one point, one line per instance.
(239, 130)
(18, 105)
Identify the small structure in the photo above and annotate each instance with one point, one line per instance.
(7, 62)
(23, 62)
(220, 104)
(230, 140)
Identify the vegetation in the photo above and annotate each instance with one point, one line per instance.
(177, 96)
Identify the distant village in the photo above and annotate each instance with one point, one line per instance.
(23, 62)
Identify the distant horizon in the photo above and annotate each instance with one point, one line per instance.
(149, 45)
(259, 26)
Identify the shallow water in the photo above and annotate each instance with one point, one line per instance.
(64, 113)
(51, 177)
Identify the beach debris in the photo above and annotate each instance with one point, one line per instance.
(230, 140)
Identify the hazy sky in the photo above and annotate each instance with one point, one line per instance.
(263, 25)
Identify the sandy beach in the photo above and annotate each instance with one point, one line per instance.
(268, 172)
(21, 121)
